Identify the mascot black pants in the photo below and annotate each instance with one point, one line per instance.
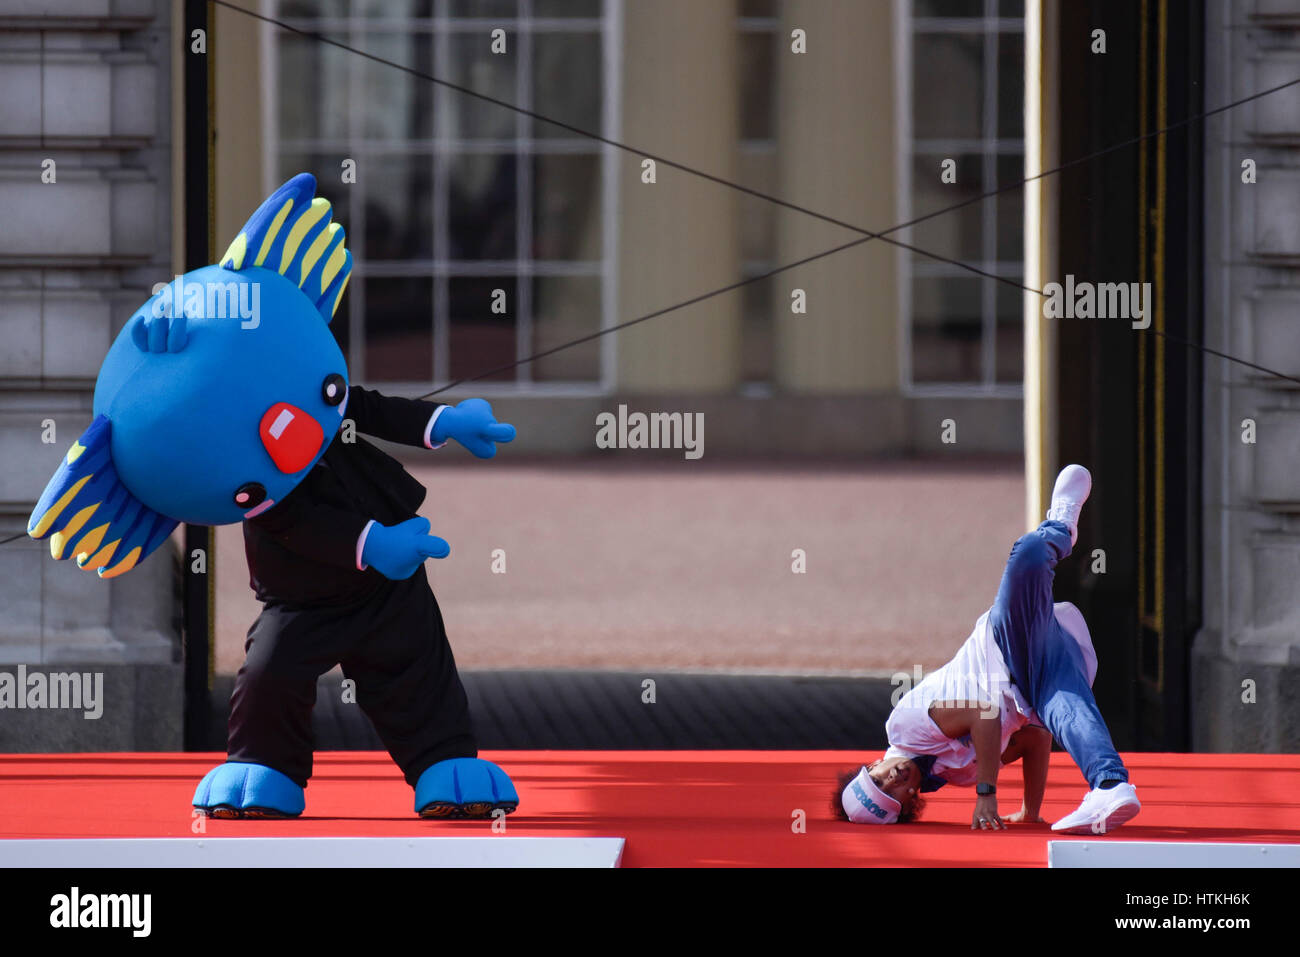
(391, 643)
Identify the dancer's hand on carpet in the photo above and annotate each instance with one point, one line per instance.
(986, 817)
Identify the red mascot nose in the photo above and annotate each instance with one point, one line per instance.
(291, 436)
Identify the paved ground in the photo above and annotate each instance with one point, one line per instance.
(686, 566)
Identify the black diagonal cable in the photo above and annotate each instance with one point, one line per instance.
(867, 234)
(650, 315)
(772, 272)
(631, 149)
(739, 187)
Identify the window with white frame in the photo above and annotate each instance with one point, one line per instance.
(965, 82)
(480, 235)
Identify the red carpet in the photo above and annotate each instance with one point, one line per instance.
(673, 808)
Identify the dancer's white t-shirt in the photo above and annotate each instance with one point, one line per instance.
(977, 676)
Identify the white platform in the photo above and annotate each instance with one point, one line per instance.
(315, 852)
(1169, 854)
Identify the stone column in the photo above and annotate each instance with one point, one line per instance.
(836, 150)
(1246, 658)
(677, 237)
(85, 180)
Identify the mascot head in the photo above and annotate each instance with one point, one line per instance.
(216, 398)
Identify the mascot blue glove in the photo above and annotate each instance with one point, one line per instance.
(396, 551)
(471, 424)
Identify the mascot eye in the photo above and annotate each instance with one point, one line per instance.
(250, 494)
(333, 389)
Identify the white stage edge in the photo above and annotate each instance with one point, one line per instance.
(314, 852)
(1169, 854)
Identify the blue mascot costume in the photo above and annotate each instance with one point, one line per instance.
(224, 400)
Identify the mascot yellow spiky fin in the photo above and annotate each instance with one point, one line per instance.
(291, 234)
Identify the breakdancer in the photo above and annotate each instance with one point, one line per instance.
(1022, 678)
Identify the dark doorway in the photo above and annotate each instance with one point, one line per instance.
(1130, 399)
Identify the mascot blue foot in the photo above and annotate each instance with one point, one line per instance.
(235, 790)
(464, 788)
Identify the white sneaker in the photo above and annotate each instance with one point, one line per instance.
(1101, 811)
(1071, 491)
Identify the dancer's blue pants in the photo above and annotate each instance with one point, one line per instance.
(1044, 661)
